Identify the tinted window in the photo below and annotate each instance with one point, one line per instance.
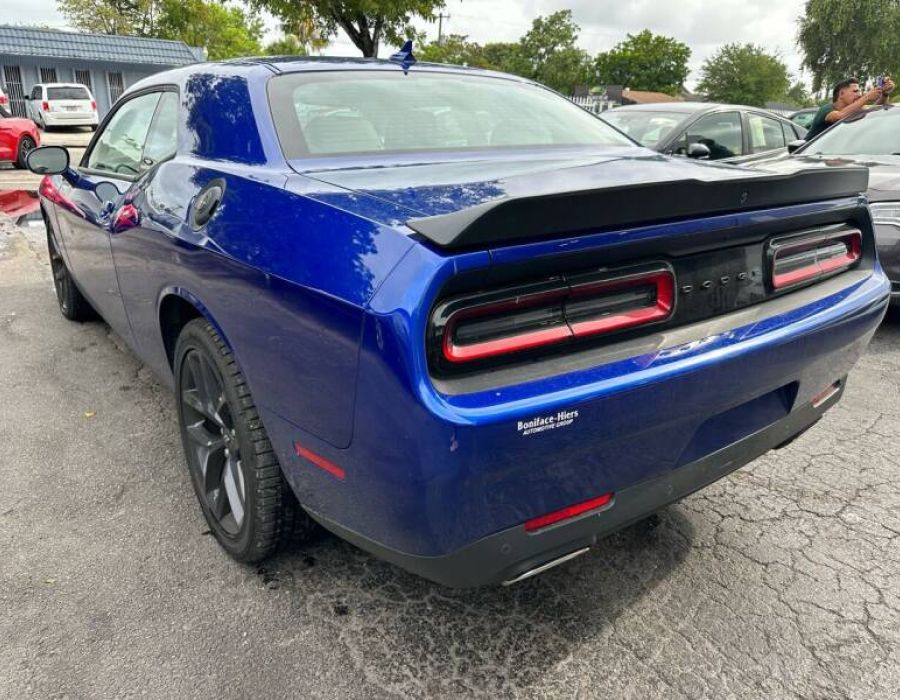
(162, 139)
(67, 93)
(721, 133)
(331, 113)
(647, 128)
(119, 147)
(765, 133)
(36, 93)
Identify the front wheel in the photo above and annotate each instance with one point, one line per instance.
(244, 497)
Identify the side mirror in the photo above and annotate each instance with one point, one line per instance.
(698, 151)
(48, 160)
(106, 192)
(794, 145)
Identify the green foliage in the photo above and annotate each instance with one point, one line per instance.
(799, 96)
(455, 49)
(365, 22)
(550, 51)
(125, 17)
(743, 74)
(843, 38)
(225, 31)
(646, 61)
(507, 57)
(547, 53)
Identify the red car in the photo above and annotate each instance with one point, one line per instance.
(17, 138)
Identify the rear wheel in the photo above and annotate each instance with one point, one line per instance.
(26, 146)
(72, 303)
(247, 503)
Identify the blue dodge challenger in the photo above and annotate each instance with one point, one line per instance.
(447, 314)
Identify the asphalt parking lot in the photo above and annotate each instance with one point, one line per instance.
(780, 581)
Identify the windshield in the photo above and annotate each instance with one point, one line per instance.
(331, 113)
(647, 128)
(876, 133)
(67, 93)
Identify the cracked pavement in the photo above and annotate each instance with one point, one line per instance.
(782, 580)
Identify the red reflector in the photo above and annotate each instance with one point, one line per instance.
(319, 461)
(566, 513)
(823, 396)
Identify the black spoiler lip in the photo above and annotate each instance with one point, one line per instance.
(567, 213)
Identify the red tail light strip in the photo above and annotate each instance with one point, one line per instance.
(664, 281)
(320, 461)
(662, 301)
(824, 254)
(557, 516)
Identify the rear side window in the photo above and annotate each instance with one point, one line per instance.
(67, 93)
(120, 146)
(162, 140)
(331, 113)
(766, 134)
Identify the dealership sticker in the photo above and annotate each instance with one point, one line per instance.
(542, 424)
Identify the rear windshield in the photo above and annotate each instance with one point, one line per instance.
(67, 93)
(332, 113)
(647, 128)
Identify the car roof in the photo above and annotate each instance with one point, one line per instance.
(61, 85)
(297, 64)
(691, 108)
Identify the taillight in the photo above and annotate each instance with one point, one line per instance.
(94, 105)
(798, 260)
(45, 106)
(4, 100)
(551, 312)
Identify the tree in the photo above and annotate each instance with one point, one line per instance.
(549, 48)
(743, 74)
(645, 61)
(126, 17)
(456, 49)
(799, 96)
(507, 57)
(225, 31)
(844, 38)
(366, 22)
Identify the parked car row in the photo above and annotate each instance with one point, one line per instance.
(449, 315)
(729, 133)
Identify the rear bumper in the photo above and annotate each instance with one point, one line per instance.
(69, 119)
(511, 553)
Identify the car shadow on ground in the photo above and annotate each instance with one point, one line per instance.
(404, 628)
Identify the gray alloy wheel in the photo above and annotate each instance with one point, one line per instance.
(247, 503)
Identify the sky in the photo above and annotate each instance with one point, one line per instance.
(704, 25)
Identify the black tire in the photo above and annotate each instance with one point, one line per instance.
(269, 513)
(72, 303)
(26, 145)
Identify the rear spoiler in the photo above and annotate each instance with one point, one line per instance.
(568, 213)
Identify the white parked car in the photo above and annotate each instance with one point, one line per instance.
(62, 104)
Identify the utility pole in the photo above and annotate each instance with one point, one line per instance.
(441, 18)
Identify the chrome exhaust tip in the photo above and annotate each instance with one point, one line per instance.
(549, 565)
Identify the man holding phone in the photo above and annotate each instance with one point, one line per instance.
(847, 99)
